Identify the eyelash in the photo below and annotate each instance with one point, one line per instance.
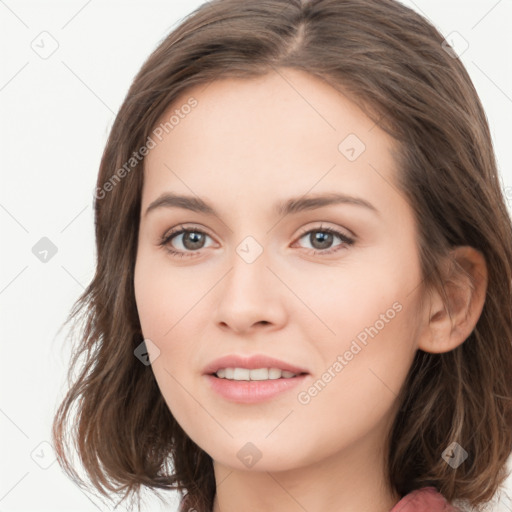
(166, 239)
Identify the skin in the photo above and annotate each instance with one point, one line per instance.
(247, 145)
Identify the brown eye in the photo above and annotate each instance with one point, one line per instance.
(193, 240)
(184, 241)
(321, 240)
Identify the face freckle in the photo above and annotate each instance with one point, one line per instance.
(260, 286)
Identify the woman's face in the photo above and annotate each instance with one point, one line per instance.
(258, 274)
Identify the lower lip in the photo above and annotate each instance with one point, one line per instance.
(252, 391)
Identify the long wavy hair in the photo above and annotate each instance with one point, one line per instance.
(396, 67)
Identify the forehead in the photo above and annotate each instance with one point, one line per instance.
(284, 131)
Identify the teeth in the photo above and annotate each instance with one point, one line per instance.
(256, 374)
(274, 373)
(241, 374)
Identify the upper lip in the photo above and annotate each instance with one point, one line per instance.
(250, 362)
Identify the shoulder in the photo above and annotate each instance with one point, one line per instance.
(426, 499)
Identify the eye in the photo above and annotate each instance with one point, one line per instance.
(191, 240)
(322, 238)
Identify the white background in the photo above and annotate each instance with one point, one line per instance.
(55, 117)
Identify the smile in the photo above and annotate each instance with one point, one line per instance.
(253, 374)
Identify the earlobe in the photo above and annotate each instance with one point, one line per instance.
(450, 321)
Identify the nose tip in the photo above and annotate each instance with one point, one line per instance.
(249, 298)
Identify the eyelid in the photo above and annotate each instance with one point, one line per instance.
(322, 226)
(183, 227)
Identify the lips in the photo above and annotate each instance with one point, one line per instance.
(251, 363)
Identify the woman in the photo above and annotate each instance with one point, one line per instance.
(303, 292)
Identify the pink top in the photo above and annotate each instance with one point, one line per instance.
(426, 499)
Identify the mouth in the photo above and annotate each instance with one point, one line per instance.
(255, 367)
(257, 378)
(255, 374)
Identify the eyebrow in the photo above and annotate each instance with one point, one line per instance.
(290, 206)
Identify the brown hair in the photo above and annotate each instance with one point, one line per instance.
(393, 64)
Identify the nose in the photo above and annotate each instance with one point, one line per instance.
(250, 297)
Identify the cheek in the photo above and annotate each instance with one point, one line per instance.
(357, 385)
(348, 302)
(167, 309)
(373, 319)
(164, 296)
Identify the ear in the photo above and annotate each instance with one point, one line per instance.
(465, 284)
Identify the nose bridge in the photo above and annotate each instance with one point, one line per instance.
(248, 271)
(249, 293)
